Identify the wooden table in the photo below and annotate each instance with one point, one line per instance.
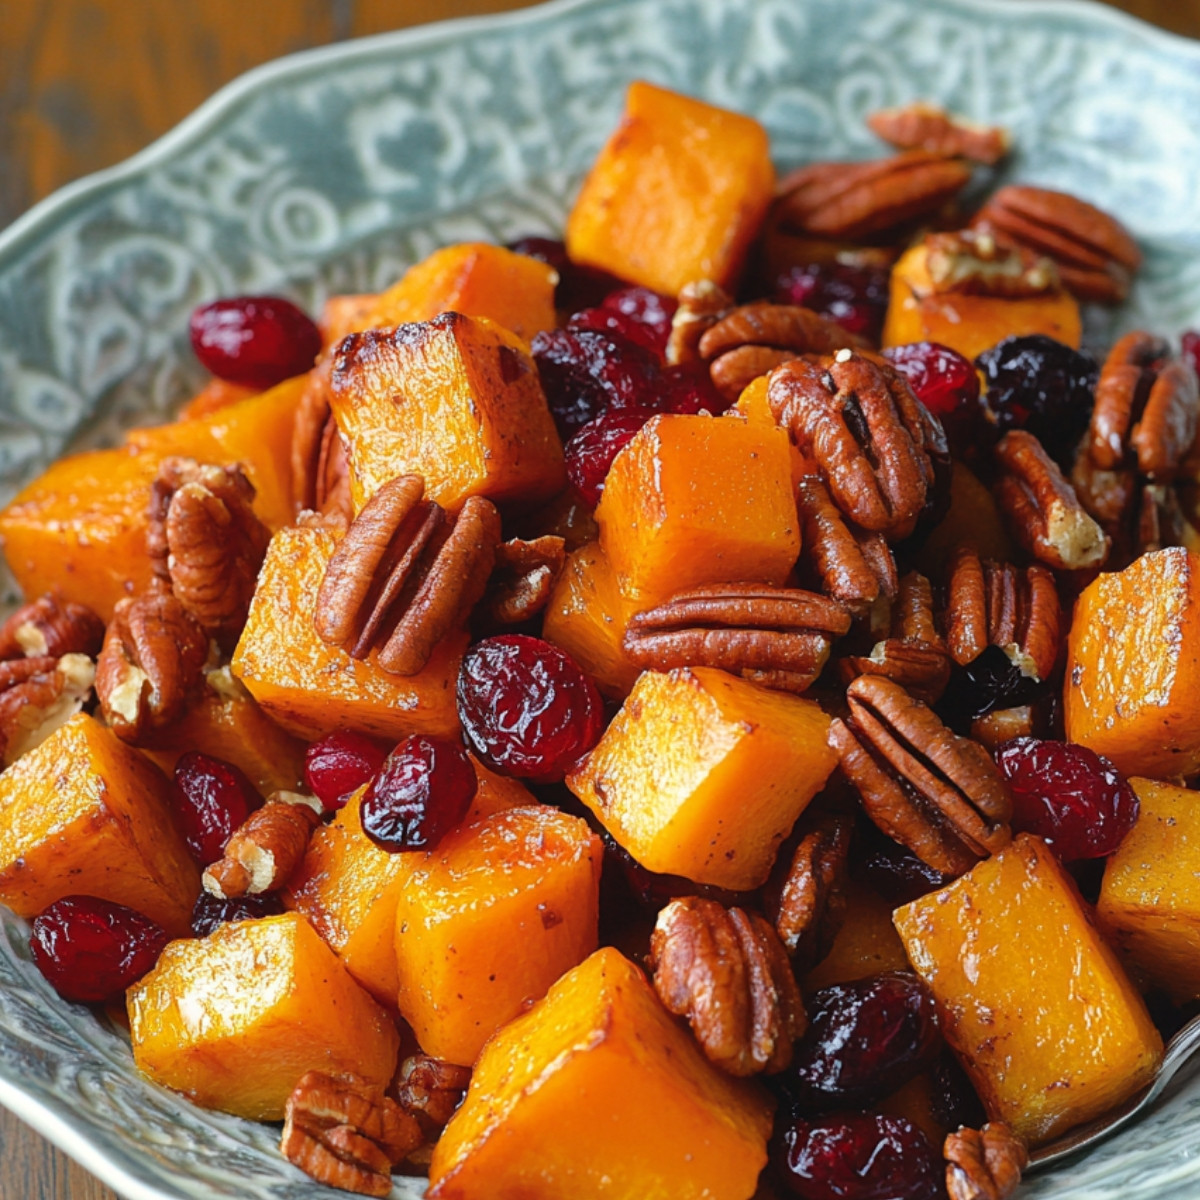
(84, 84)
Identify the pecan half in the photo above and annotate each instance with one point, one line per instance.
(38, 695)
(701, 305)
(973, 262)
(266, 848)
(726, 971)
(924, 126)
(779, 636)
(1042, 507)
(1160, 520)
(51, 627)
(935, 792)
(984, 1164)
(345, 1133)
(995, 604)
(859, 421)
(856, 200)
(995, 728)
(430, 1090)
(1095, 255)
(405, 575)
(522, 579)
(151, 663)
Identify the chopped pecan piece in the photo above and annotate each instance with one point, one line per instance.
(1160, 520)
(726, 971)
(859, 421)
(1095, 255)
(779, 636)
(984, 1164)
(996, 728)
(320, 469)
(973, 262)
(430, 1090)
(51, 627)
(151, 663)
(346, 1133)
(37, 695)
(701, 304)
(266, 848)
(935, 792)
(522, 580)
(405, 575)
(924, 126)
(1042, 506)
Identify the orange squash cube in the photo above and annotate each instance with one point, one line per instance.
(1150, 899)
(83, 813)
(311, 688)
(233, 1020)
(694, 500)
(214, 395)
(489, 920)
(752, 405)
(867, 943)
(1133, 666)
(456, 400)
(972, 519)
(635, 1108)
(702, 774)
(676, 195)
(1032, 999)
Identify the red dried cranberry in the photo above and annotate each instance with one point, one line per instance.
(257, 341)
(864, 1039)
(578, 286)
(899, 876)
(608, 320)
(990, 681)
(339, 764)
(591, 450)
(859, 1156)
(688, 388)
(422, 791)
(212, 798)
(651, 310)
(1190, 349)
(527, 709)
(209, 913)
(948, 385)
(855, 297)
(1070, 796)
(953, 1100)
(91, 949)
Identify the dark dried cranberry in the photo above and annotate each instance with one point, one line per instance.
(988, 682)
(91, 950)
(212, 798)
(948, 385)
(651, 310)
(422, 791)
(899, 876)
(527, 709)
(591, 450)
(548, 250)
(1070, 796)
(855, 297)
(864, 1039)
(339, 764)
(610, 321)
(578, 286)
(1190, 349)
(1036, 383)
(209, 913)
(688, 388)
(953, 1100)
(859, 1156)
(257, 341)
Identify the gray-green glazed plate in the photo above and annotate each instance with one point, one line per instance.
(334, 170)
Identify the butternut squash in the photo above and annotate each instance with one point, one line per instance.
(867, 943)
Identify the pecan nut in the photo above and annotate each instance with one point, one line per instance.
(984, 1164)
(345, 1133)
(151, 663)
(430, 1090)
(51, 627)
(523, 578)
(727, 972)
(1042, 507)
(405, 575)
(266, 848)
(935, 792)
(779, 636)
(973, 262)
(700, 305)
(924, 126)
(38, 695)
(320, 467)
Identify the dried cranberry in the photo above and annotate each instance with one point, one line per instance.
(1190, 349)
(1070, 796)
(91, 949)
(578, 286)
(859, 1156)
(988, 682)
(257, 341)
(651, 310)
(209, 913)
(1036, 383)
(212, 798)
(527, 709)
(855, 297)
(948, 385)
(339, 764)
(422, 791)
(864, 1039)
(591, 450)
(688, 388)
(953, 1100)
(607, 320)
(899, 876)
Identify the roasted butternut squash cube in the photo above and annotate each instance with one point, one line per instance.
(917, 1102)
(85, 814)
(677, 194)
(700, 499)
(311, 688)
(233, 1020)
(867, 943)
(1032, 999)
(586, 616)
(1133, 666)
(215, 394)
(972, 519)
(634, 1108)
(455, 399)
(1150, 899)
(348, 887)
(489, 920)
(702, 774)
(752, 406)
(476, 279)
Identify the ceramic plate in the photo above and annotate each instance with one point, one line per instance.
(332, 171)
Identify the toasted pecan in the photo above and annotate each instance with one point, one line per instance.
(924, 126)
(974, 262)
(984, 1164)
(522, 579)
(266, 848)
(700, 305)
(51, 626)
(39, 694)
